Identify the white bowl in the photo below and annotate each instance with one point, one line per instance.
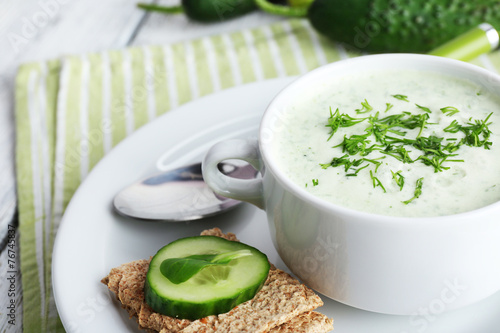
(394, 265)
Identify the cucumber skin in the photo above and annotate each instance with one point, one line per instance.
(413, 26)
(193, 311)
(217, 10)
(181, 310)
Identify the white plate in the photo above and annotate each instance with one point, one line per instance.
(92, 239)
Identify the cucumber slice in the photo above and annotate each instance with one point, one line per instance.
(215, 288)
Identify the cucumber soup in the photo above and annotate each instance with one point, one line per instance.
(400, 143)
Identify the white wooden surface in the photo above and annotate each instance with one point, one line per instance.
(33, 30)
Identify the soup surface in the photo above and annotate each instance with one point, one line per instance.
(400, 143)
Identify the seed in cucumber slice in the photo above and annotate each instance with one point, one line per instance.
(236, 275)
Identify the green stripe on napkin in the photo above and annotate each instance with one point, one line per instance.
(36, 91)
(71, 112)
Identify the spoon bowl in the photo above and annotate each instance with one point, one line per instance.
(179, 195)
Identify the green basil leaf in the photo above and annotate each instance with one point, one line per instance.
(179, 270)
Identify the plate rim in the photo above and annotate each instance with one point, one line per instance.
(59, 299)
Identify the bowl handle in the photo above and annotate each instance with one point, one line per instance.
(249, 190)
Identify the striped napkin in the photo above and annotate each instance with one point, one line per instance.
(71, 111)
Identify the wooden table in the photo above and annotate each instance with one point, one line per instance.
(33, 30)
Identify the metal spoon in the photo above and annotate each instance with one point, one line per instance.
(178, 195)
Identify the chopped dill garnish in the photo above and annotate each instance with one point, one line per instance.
(356, 171)
(401, 97)
(356, 144)
(315, 182)
(337, 120)
(399, 179)
(434, 161)
(399, 152)
(476, 132)
(454, 127)
(375, 162)
(343, 161)
(366, 107)
(449, 110)
(418, 191)
(423, 108)
(388, 106)
(473, 132)
(376, 182)
(391, 137)
(390, 124)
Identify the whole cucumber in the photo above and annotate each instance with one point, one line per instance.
(205, 10)
(415, 26)
(217, 10)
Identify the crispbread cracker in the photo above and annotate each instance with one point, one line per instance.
(127, 283)
(217, 232)
(307, 322)
(282, 305)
